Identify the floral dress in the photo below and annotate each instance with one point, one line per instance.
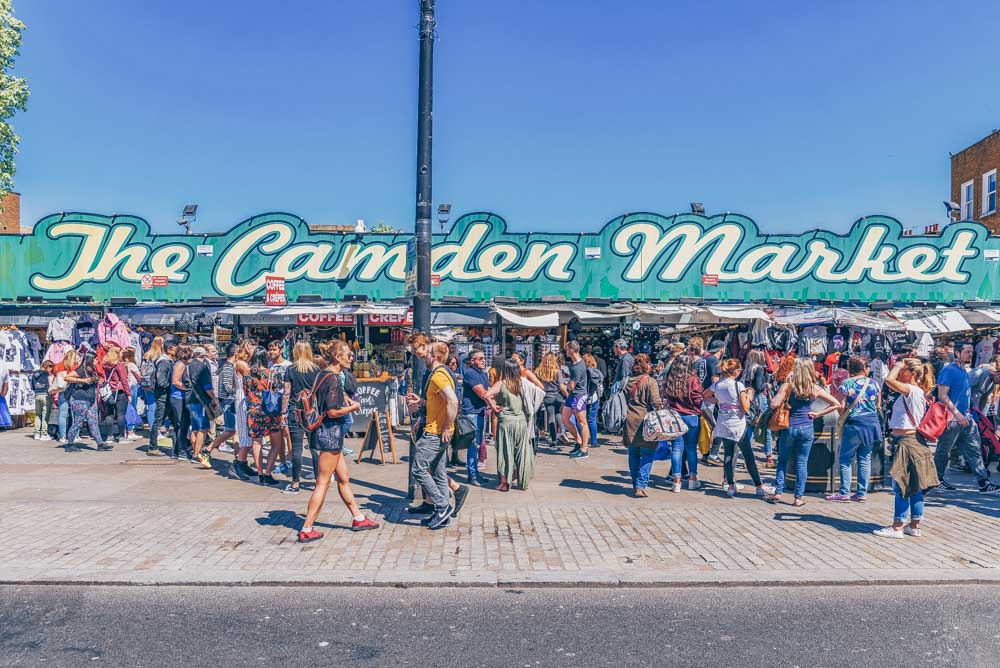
(260, 423)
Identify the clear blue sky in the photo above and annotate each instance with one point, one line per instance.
(557, 115)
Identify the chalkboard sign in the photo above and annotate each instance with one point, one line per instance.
(378, 437)
(373, 396)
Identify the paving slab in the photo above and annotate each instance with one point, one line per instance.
(121, 518)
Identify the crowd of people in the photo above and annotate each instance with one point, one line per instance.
(719, 409)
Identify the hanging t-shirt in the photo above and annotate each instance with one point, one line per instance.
(812, 341)
(924, 345)
(60, 329)
(731, 420)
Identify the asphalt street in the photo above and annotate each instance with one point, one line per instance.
(239, 626)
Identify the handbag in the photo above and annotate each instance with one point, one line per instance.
(664, 424)
(132, 419)
(271, 399)
(780, 417)
(704, 436)
(465, 427)
(931, 426)
(105, 392)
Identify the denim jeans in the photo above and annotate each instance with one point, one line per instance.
(472, 454)
(592, 410)
(967, 440)
(914, 505)
(430, 469)
(801, 437)
(859, 437)
(159, 408)
(64, 411)
(686, 445)
(764, 404)
(150, 400)
(640, 463)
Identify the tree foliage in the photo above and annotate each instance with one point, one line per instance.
(13, 92)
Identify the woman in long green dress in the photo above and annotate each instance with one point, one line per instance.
(515, 457)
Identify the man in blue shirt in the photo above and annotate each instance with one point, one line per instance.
(954, 391)
(473, 407)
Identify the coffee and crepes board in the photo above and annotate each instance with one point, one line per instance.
(378, 437)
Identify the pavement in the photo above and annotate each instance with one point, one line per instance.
(818, 627)
(121, 518)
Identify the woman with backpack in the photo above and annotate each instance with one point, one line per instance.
(83, 403)
(300, 378)
(595, 386)
(548, 373)
(683, 393)
(756, 377)
(155, 372)
(641, 396)
(116, 397)
(734, 400)
(327, 441)
(260, 421)
(913, 468)
(799, 390)
(860, 431)
(180, 419)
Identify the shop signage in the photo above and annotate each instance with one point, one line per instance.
(390, 319)
(274, 291)
(592, 252)
(643, 257)
(991, 255)
(325, 319)
(709, 279)
(205, 250)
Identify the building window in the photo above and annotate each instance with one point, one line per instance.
(967, 191)
(990, 192)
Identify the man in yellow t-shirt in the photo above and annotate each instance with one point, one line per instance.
(430, 459)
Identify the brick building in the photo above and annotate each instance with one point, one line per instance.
(974, 181)
(10, 216)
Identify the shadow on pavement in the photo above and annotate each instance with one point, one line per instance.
(289, 520)
(617, 490)
(850, 526)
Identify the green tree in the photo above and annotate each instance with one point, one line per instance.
(13, 92)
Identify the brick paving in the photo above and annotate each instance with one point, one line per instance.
(118, 517)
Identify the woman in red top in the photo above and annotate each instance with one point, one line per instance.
(114, 373)
(682, 391)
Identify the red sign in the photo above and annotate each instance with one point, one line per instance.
(709, 279)
(146, 281)
(325, 319)
(274, 291)
(390, 319)
(435, 279)
(160, 281)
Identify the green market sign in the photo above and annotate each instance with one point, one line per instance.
(638, 257)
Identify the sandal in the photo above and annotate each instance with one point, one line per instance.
(774, 498)
(503, 487)
(798, 503)
(640, 493)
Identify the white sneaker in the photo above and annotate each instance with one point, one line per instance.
(37, 437)
(44, 437)
(888, 532)
(768, 490)
(693, 484)
(225, 447)
(677, 486)
(731, 491)
(910, 531)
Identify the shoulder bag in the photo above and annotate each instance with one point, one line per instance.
(780, 416)
(663, 424)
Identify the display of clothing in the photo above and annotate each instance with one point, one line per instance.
(60, 329)
(145, 340)
(15, 351)
(812, 341)
(880, 371)
(112, 330)
(20, 396)
(85, 331)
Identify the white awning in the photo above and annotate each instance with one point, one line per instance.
(935, 323)
(991, 314)
(738, 313)
(535, 320)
